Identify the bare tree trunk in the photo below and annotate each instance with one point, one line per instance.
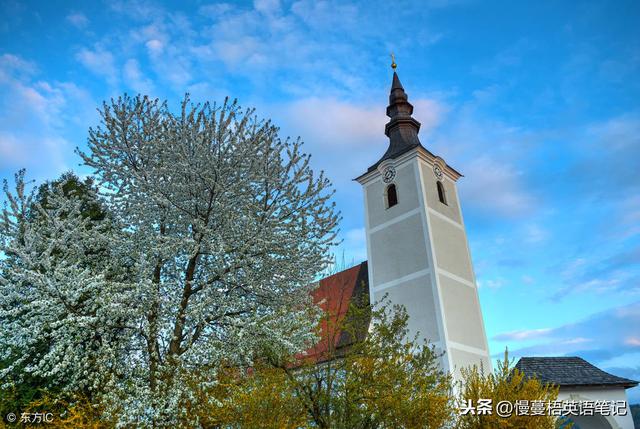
(178, 329)
(153, 348)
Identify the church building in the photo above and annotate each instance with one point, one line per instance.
(417, 244)
(418, 256)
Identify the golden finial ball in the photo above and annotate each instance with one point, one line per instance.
(393, 62)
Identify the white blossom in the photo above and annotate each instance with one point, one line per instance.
(216, 228)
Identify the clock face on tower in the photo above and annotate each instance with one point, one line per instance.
(437, 171)
(388, 174)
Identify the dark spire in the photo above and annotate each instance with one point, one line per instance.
(397, 85)
(401, 129)
(399, 106)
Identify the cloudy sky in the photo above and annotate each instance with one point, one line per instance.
(536, 103)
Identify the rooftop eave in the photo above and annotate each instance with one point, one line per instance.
(419, 151)
(626, 385)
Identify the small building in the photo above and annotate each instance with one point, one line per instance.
(582, 382)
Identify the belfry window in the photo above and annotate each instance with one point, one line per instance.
(441, 195)
(392, 195)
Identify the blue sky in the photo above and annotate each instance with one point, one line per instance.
(536, 103)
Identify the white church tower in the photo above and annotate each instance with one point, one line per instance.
(417, 244)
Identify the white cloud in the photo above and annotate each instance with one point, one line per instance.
(535, 234)
(578, 340)
(573, 268)
(215, 10)
(135, 79)
(154, 46)
(614, 273)
(100, 61)
(11, 151)
(137, 9)
(528, 280)
(78, 19)
(267, 6)
(599, 337)
(608, 339)
(606, 154)
(618, 133)
(492, 155)
(597, 285)
(632, 341)
(430, 113)
(325, 14)
(35, 113)
(11, 64)
(523, 334)
(337, 123)
(494, 187)
(311, 42)
(492, 283)
(241, 51)
(347, 124)
(344, 137)
(169, 46)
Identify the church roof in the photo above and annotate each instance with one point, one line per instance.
(334, 295)
(570, 372)
(402, 129)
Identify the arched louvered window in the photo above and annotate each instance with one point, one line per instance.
(392, 195)
(441, 194)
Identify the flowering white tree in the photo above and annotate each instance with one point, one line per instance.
(60, 322)
(216, 227)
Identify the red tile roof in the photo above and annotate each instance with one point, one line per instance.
(334, 295)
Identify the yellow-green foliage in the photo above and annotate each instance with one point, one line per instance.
(67, 412)
(384, 381)
(261, 398)
(505, 384)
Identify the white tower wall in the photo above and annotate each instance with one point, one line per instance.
(418, 255)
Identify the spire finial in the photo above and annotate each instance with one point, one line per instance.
(402, 129)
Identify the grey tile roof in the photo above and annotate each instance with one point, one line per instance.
(570, 371)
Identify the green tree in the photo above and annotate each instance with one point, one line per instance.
(72, 187)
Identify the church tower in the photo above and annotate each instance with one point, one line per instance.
(417, 244)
